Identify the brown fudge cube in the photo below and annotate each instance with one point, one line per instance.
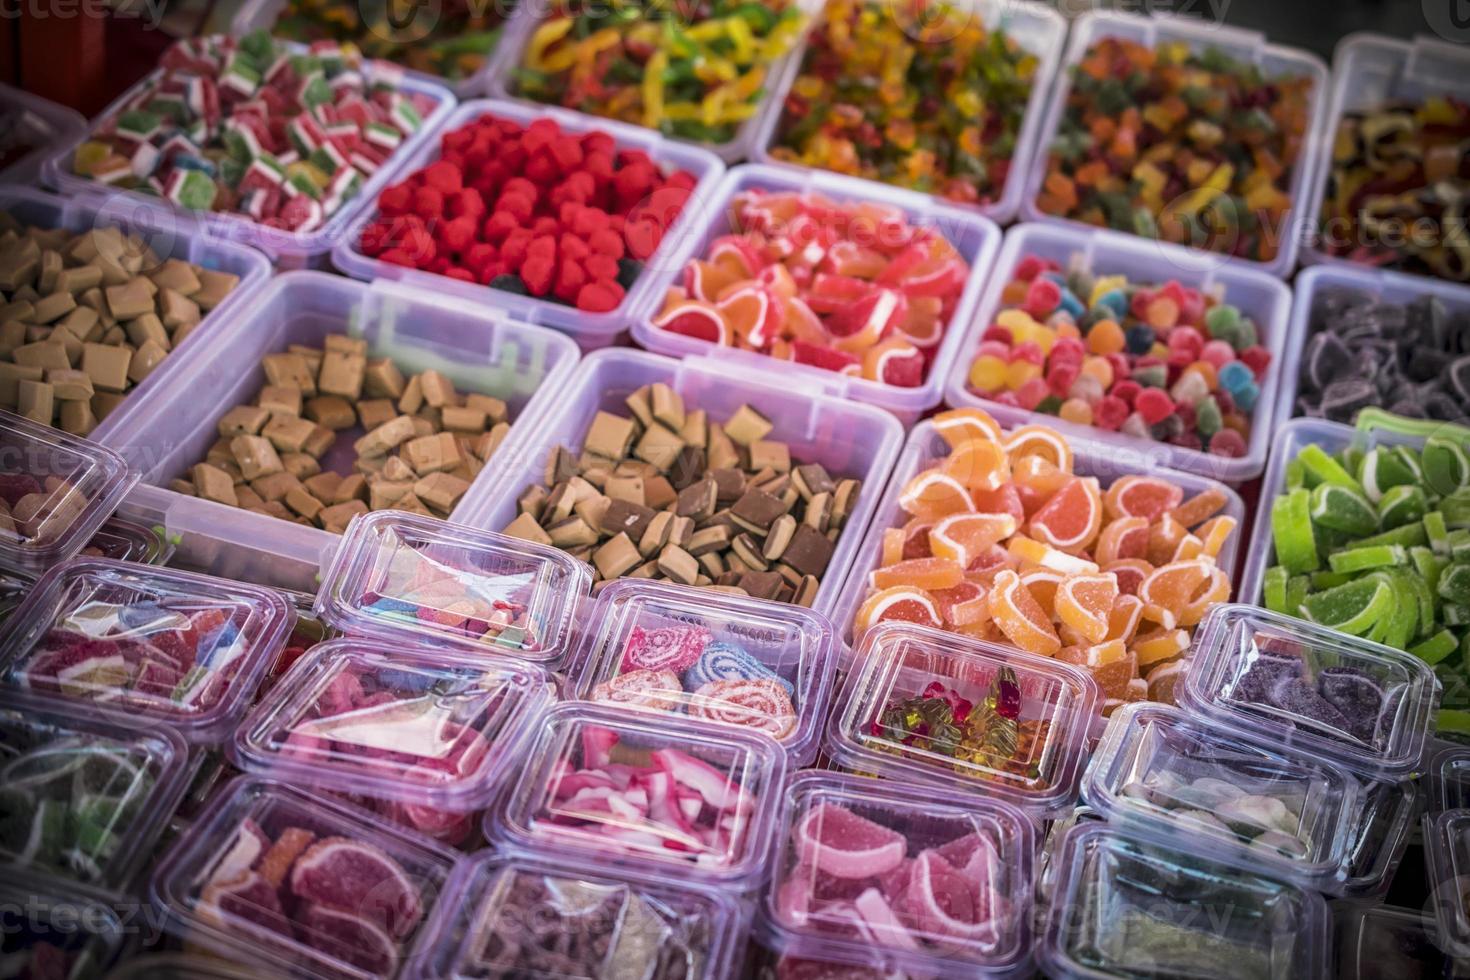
(213, 483)
(331, 411)
(342, 374)
(431, 454)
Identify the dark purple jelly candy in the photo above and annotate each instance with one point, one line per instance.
(1356, 695)
(1296, 696)
(1325, 359)
(1342, 400)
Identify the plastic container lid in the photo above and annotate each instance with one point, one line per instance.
(425, 728)
(58, 489)
(1447, 854)
(300, 884)
(860, 863)
(584, 922)
(399, 576)
(717, 657)
(1040, 709)
(1380, 942)
(1449, 776)
(1373, 704)
(624, 789)
(85, 798)
(35, 128)
(172, 646)
(51, 932)
(123, 540)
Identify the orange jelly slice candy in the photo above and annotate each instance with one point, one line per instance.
(979, 464)
(1042, 583)
(1159, 645)
(1175, 585)
(1216, 589)
(1039, 440)
(961, 424)
(1124, 617)
(1123, 537)
(1215, 532)
(965, 537)
(1085, 603)
(1130, 572)
(1028, 550)
(1020, 618)
(1190, 547)
(934, 494)
(964, 605)
(1071, 519)
(1201, 507)
(901, 603)
(921, 573)
(1004, 500)
(1163, 540)
(1142, 496)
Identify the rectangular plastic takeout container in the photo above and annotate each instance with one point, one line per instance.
(974, 237)
(1258, 296)
(40, 129)
(590, 330)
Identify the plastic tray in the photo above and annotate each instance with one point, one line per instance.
(287, 249)
(106, 777)
(49, 930)
(857, 862)
(1447, 850)
(213, 883)
(973, 236)
(1120, 901)
(1200, 35)
(91, 482)
(1230, 644)
(528, 17)
(568, 802)
(1036, 28)
(786, 653)
(1368, 70)
(1260, 297)
(477, 348)
(182, 649)
(44, 125)
(1380, 942)
(590, 330)
(897, 661)
(849, 439)
(402, 577)
(926, 448)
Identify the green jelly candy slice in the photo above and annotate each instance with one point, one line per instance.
(1351, 459)
(1273, 589)
(1298, 587)
(1429, 566)
(1296, 475)
(1436, 648)
(1402, 505)
(1454, 585)
(1324, 467)
(1291, 527)
(1456, 509)
(1343, 509)
(1454, 614)
(1402, 620)
(1428, 607)
(1375, 556)
(1353, 608)
(1446, 465)
(1383, 468)
(1436, 531)
(1452, 721)
(1407, 536)
(1329, 580)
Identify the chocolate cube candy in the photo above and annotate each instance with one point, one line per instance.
(382, 379)
(698, 500)
(747, 426)
(331, 411)
(36, 401)
(431, 454)
(342, 374)
(756, 511)
(625, 517)
(280, 400)
(107, 366)
(336, 517)
(256, 456)
(289, 370)
(809, 552)
(525, 528)
(617, 556)
(610, 436)
(213, 483)
(442, 491)
(373, 412)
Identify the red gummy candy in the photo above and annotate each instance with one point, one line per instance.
(444, 177)
(1154, 404)
(599, 297)
(537, 272)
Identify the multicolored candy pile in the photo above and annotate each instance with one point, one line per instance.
(1164, 362)
(1189, 147)
(254, 129)
(532, 210)
(695, 70)
(850, 287)
(918, 94)
(1005, 542)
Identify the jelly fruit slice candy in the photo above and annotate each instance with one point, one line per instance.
(1354, 607)
(1085, 603)
(838, 842)
(901, 603)
(1142, 496)
(1291, 530)
(1343, 509)
(1071, 519)
(1019, 616)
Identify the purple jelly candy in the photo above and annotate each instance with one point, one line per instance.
(1356, 695)
(1296, 696)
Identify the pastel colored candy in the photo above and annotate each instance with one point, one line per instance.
(728, 661)
(760, 703)
(646, 688)
(667, 648)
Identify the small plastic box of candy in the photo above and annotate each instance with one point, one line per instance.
(713, 656)
(1377, 941)
(421, 737)
(48, 930)
(628, 789)
(399, 576)
(300, 884)
(926, 707)
(1447, 848)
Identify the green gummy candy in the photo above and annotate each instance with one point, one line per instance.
(1383, 468)
(1353, 608)
(1452, 720)
(1402, 505)
(1324, 467)
(1456, 509)
(1298, 587)
(1437, 532)
(1454, 614)
(1273, 589)
(1424, 598)
(1343, 509)
(1445, 463)
(1454, 585)
(1402, 620)
(1296, 475)
(1436, 648)
(1291, 527)
(1429, 566)
(1410, 535)
(1329, 580)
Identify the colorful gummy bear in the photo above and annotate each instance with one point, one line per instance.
(1164, 362)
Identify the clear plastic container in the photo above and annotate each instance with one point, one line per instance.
(39, 128)
(57, 490)
(721, 658)
(976, 239)
(926, 448)
(183, 649)
(124, 540)
(528, 916)
(1037, 29)
(85, 798)
(300, 884)
(289, 250)
(477, 348)
(402, 577)
(609, 787)
(1243, 655)
(861, 864)
(50, 932)
(590, 330)
(1380, 942)
(848, 439)
(1040, 709)
(425, 738)
(1200, 35)
(1128, 908)
(1259, 296)
(1449, 779)
(1447, 857)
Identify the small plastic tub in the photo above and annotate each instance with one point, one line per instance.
(1259, 296)
(591, 330)
(976, 239)
(1447, 856)
(584, 921)
(720, 658)
(1128, 908)
(1038, 30)
(1449, 779)
(35, 129)
(62, 487)
(848, 439)
(1200, 35)
(1242, 653)
(943, 884)
(123, 540)
(300, 884)
(51, 930)
(423, 738)
(402, 577)
(1380, 942)
(288, 250)
(613, 788)
(998, 698)
(86, 798)
(173, 647)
